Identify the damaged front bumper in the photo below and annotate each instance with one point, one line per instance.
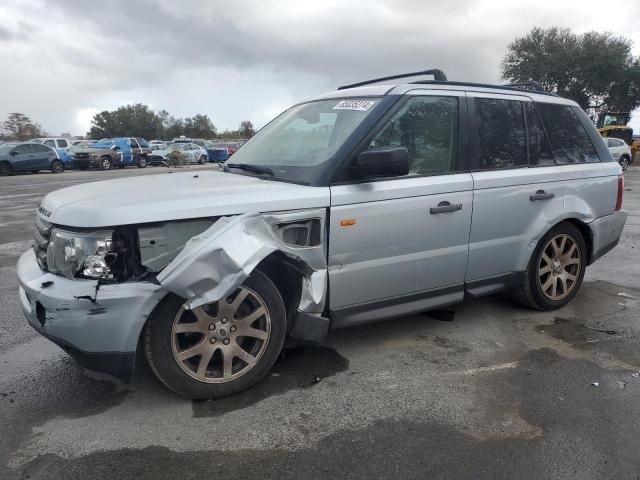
(99, 325)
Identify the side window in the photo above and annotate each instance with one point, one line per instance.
(427, 126)
(539, 148)
(40, 148)
(50, 143)
(569, 139)
(62, 143)
(24, 148)
(132, 143)
(501, 135)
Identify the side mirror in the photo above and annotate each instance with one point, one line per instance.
(384, 162)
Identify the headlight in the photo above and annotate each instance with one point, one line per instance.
(74, 254)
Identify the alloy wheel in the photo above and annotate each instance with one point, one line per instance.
(624, 162)
(221, 341)
(57, 167)
(105, 164)
(559, 267)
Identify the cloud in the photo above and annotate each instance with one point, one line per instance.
(240, 59)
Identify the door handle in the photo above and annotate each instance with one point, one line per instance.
(541, 195)
(445, 207)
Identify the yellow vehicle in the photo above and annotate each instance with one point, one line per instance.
(614, 124)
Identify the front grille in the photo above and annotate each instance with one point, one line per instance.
(41, 235)
(82, 156)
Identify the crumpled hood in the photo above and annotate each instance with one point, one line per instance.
(173, 196)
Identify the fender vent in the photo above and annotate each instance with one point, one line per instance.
(301, 233)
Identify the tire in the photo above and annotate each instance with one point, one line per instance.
(624, 162)
(554, 264)
(142, 162)
(202, 160)
(57, 166)
(105, 163)
(5, 168)
(171, 345)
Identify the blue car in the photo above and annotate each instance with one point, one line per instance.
(218, 153)
(28, 157)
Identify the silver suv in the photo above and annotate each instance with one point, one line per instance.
(374, 201)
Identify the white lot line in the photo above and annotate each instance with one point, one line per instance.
(490, 368)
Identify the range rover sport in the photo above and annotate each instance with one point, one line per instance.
(377, 200)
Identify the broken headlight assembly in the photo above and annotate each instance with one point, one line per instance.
(82, 254)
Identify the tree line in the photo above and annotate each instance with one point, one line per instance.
(140, 121)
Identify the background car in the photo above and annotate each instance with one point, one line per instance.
(61, 145)
(193, 152)
(220, 152)
(114, 152)
(620, 151)
(29, 157)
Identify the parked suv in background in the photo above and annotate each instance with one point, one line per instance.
(114, 152)
(620, 151)
(370, 202)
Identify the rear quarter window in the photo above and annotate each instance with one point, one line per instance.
(569, 140)
(501, 134)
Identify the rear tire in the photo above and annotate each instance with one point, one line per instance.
(624, 162)
(105, 163)
(57, 166)
(555, 271)
(214, 353)
(5, 168)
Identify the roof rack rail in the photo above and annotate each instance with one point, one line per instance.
(438, 76)
(530, 85)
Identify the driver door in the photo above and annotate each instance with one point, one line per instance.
(400, 245)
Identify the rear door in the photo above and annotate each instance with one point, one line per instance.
(42, 156)
(24, 158)
(400, 244)
(518, 188)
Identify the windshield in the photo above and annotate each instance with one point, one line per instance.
(176, 146)
(298, 143)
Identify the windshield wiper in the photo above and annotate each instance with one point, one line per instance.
(251, 168)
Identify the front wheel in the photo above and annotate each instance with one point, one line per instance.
(556, 269)
(624, 162)
(202, 160)
(220, 348)
(105, 163)
(57, 166)
(142, 162)
(5, 168)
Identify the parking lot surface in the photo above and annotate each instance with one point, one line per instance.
(498, 391)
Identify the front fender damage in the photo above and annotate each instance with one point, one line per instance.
(213, 264)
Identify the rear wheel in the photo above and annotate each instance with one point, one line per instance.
(624, 162)
(555, 271)
(105, 163)
(220, 348)
(57, 166)
(5, 168)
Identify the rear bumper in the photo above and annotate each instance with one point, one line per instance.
(605, 233)
(98, 325)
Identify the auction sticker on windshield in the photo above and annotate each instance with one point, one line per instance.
(361, 105)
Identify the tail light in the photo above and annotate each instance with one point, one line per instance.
(620, 190)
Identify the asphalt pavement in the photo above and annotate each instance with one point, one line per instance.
(498, 391)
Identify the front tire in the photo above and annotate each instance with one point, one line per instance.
(220, 348)
(556, 269)
(105, 163)
(624, 162)
(142, 162)
(202, 160)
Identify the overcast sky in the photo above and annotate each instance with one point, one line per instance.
(64, 60)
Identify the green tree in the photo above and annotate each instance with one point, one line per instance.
(199, 126)
(246, 129)
(18, 126)
(136, 120)
(597, 70)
